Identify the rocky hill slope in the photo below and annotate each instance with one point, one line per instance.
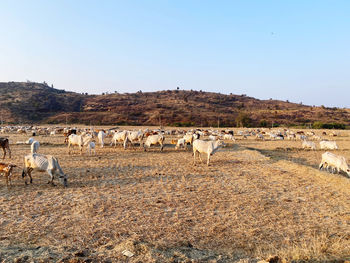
(38, 103)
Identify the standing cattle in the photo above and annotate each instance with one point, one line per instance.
(5, 145)
(91, 148)
(118, 137)
(207, 147)
(101, 135)
(6, 169)
(78, 140)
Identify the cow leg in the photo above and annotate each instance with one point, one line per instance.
(200, 158)
(29, 173)
(8, 148)
(7, 180)
(194, 158)
(208, 159)
(10, 178)
(320, 166)
(4, 153)
(161, 148)
(51, 176)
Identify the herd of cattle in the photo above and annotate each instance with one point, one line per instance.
(214, 139)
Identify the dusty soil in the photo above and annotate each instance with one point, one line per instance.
(257, 199)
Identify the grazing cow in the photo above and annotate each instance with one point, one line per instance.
(43, 163)
(34, 147)
(259, 136)
(207, 147)
(229, 136)
(330, 145)
(181, 143)
(5, 145)
(308, 145)
(338, 162)
(154, 140)
(6, 169)
(134, 136)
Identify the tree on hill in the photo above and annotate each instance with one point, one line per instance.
(243, 120)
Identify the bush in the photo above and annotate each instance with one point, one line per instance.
(334, 125)
(263, 123)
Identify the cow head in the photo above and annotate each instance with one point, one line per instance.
(63, 180)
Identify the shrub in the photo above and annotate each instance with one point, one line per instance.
(334, 125)
(243, 120)
(263, 123)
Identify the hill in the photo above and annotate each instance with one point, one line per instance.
(39, 103)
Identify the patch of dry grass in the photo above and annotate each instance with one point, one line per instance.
(255, 200)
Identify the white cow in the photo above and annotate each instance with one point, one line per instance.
(212, 137)
(119, 137)
(101, 135)
(154, 140)
(207, 147)
(77, 140)
(34, 147)
(336, 161)
(43, 163)
(91, 148)
(330, 145)
(308, 145)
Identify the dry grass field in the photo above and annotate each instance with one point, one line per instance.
(257, 199)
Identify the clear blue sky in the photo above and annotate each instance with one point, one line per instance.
(295, 50)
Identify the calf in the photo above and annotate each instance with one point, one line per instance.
(6, 170)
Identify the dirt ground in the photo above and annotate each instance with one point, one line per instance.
(257, 199)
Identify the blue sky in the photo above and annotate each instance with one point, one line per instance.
(289, 50)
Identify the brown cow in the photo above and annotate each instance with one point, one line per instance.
(5, 145)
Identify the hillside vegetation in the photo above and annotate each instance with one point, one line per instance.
(39, 103)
